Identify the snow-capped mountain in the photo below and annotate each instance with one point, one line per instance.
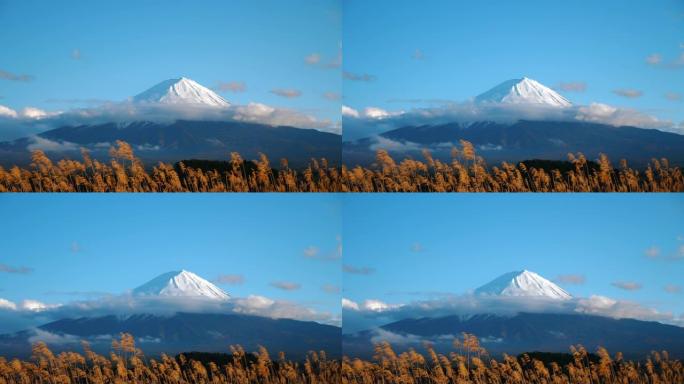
(181, 283)
(523, 91)
(181, 91)
(523, 283)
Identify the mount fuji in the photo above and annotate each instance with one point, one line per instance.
(545, 330)
(523, 91)
(179, 119)
(519, 119)
(523, 283)
(181, 91)
(181, 284)
(172, 332)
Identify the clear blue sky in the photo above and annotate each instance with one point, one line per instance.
(127, 46)
(468, 47)
(124, 240)
(468, 240)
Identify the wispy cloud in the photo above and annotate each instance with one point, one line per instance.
(418, 55)
(627, 285)
(331, 288)
(417, 247)
(672, 288)
(571, 279)
(76, 54)
(315, 59)
(575, 86)
(14, 77)
(231, 86)
(652, 252)
(358, 76)
(332, 96)
(75, 247)
(286, 285)
(232, 279)
(673, 96)
(657, 60)
(311, 251)
(654, 59)
(628, 93)
(357, 270)
(19, 270)
(287, 92)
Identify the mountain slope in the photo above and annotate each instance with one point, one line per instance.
(525, 139)
(523, 91)
(181, 140)
(181, 283)
(181, 91)
(523, 283)
(182, 332)
(527, 332)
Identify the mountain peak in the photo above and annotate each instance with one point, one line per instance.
(523, 91)
(181, 90)
(523, 283)
(181, 284)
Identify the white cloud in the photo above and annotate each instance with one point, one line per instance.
(375, 113)
(571, 279)
(48, 145)
(8, 112)
(373, 313)
(349, 304)
(52, 338)
(606, 114)
(76, 54)
(34, 119)
(36, 306)
(6, 304)
(375, 120)
(377, 305)
(654, 59)
(31, 313)
(346, 111)
(605, 306)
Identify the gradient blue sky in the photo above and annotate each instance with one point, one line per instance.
(468, 240)
(125, 240)
(128, 46)
(468, 47)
